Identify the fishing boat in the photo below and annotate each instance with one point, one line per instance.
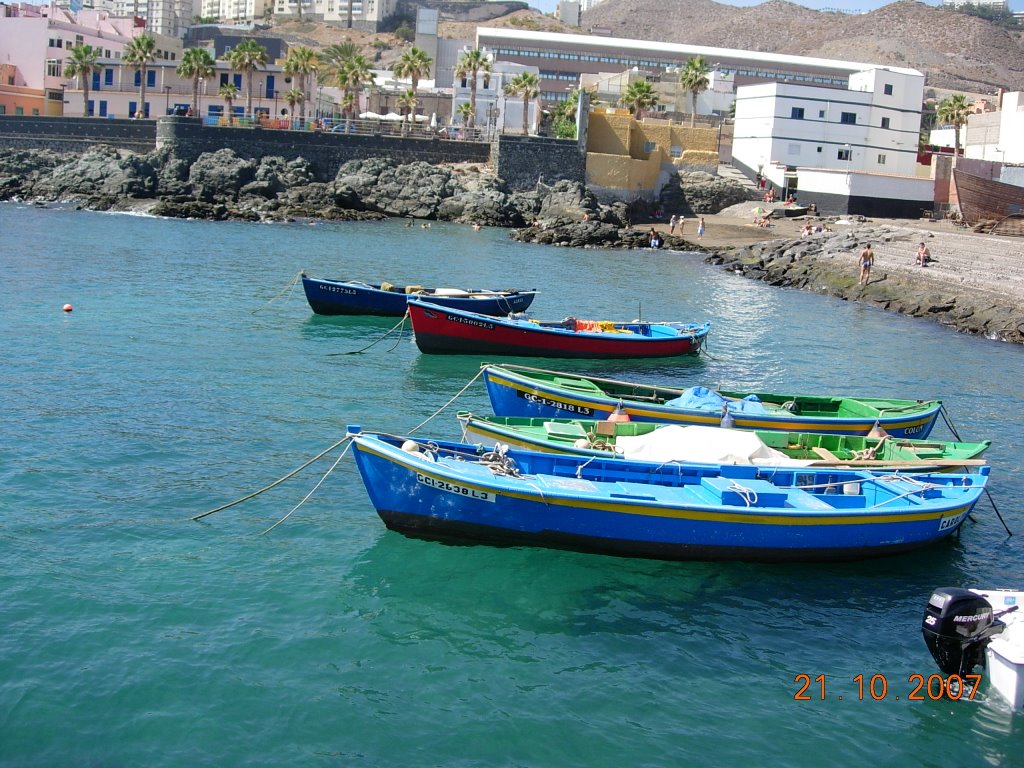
(517, 390)
(462, 492)
(650, 441)
(443, 330)
(353, 297)
(965, 629)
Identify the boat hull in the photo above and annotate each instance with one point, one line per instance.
(342, 297)
(432, 495)
(513, 394)
(440, 330)
(905, 455)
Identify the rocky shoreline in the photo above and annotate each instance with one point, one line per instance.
(987, 304)
(224, 186)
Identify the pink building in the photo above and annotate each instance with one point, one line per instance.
(37, 40)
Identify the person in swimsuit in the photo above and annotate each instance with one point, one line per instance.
(867, 260)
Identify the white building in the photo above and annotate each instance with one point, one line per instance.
(494, 110)
(998, 136)
(366, 14)
(855, 150)
(236, 11)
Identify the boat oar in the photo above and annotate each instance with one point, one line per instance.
(837, 462)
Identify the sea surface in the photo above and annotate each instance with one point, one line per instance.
(190, 374)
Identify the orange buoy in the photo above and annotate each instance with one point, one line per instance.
(618, 414)
(68, 308)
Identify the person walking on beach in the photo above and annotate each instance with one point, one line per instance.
(923, 255)
(700, 228)
(867, 259)
(672, 225)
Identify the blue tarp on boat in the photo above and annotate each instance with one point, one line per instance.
(704, 399)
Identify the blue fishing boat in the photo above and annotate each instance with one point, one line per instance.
(353, 297)
(462, 492)
(517, 390)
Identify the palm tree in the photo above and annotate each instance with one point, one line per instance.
(414, 64)
(334, 56)
(81, 64)
(229, 92)
(197, 64)
(140, 53)
(465, 111)
(639, 95)
(292, 97)
(471, 63)
(694, 78)
(301, 63)
(407, 102)
(247, 57)
(954, 111)
(527, 85)
(351, 78)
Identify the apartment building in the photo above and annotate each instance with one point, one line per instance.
(37, 40)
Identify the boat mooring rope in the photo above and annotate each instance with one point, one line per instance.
(311, 492)
(949, 423)
(275, 483)
(996, 509)
(456, 397)
(400, 327)
(286, 289)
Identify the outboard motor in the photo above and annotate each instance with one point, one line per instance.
(957, 626)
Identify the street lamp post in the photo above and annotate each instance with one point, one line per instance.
(167, 99)
(275, 105)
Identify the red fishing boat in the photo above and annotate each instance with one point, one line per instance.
(442, 330)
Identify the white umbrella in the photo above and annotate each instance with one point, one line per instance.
(433, 119)
(393, 116)
(420, 118)
(369, 116)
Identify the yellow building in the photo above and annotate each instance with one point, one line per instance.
(627, 158)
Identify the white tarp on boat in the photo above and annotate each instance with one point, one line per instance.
(708, 445)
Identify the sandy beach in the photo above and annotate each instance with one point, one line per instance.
(961, 258)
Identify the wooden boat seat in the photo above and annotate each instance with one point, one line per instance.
(824, 453)
(564, 431)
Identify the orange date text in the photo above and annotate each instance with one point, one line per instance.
(877, 687)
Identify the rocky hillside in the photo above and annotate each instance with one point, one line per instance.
(955, 51)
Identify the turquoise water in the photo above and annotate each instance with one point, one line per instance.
(132, 636)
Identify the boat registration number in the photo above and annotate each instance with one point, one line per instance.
(581, 410)
(338, 289)
(952, 522)
(458, 490)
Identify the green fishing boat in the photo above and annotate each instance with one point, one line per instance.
(649, 441)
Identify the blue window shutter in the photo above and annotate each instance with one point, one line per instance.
(151, 79)
(238, 82)
(138, 79)
(103, 109)
(133, 107)
(108, 77)
(96, 80)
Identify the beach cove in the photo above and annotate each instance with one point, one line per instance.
(179, 382)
